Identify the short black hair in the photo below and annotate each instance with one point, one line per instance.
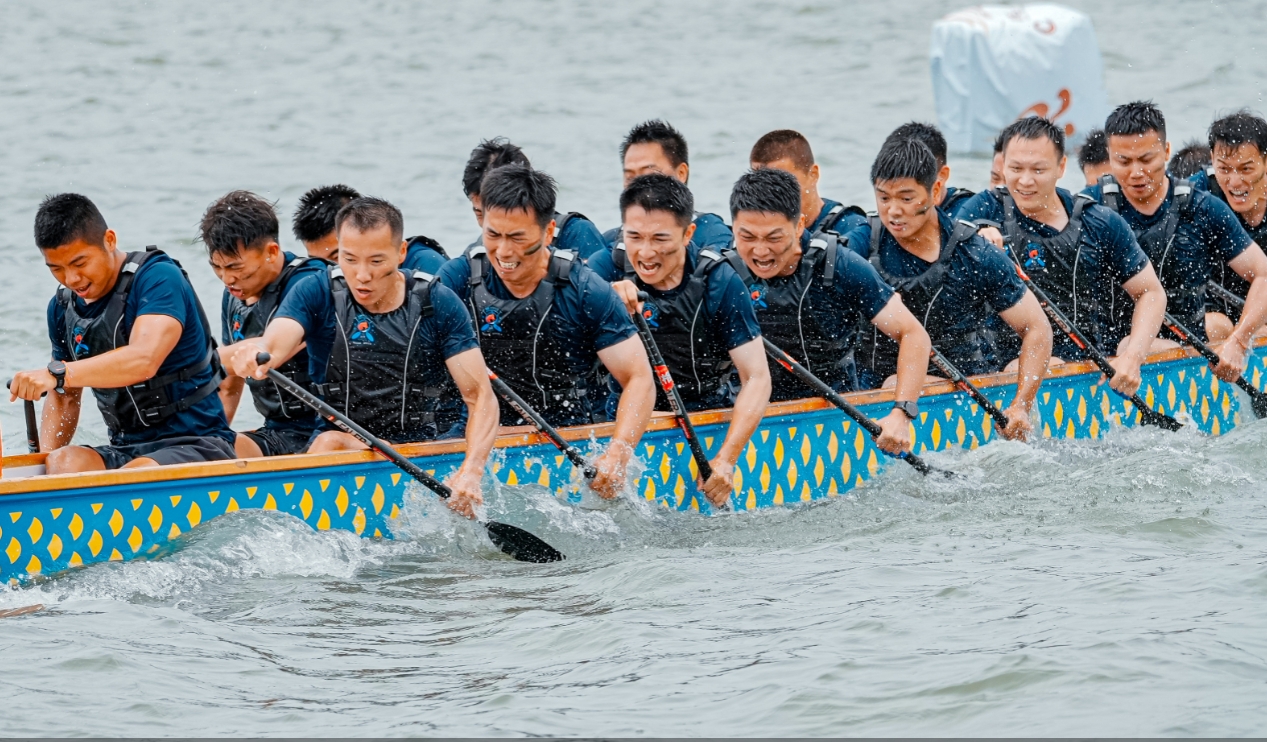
(1034, 127)
(314, 217)
(236, 221)
(998, 144)
(489, 155)
(519, 188)
(1095, 150)
(1192, 158)
(660, 132)
(66, 217)
(767, 191)
(658, 192)
(1135, 119)
(783, 144)
(930, 135)
(1239, 128)
(367, 212)
(905, 158)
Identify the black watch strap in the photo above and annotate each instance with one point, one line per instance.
(910, 409)
(58, 370)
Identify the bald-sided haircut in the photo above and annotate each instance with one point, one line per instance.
(783, 144)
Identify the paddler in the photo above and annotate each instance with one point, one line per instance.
(1077, 251)
(656, 147)
(1093, 157)
(1192, 158)
(811, 301)
(380, 341)
(545, 321)
(789, 151)
(954, 198)
(1184, 231)
(573, 231)
(130, 327)
(313, 223)
(1239, 148)
(240, 231)
(698, 312)
(951, 278)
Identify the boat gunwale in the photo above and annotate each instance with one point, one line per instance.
(520, 437)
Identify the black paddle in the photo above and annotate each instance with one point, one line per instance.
(32, 426)
(1228, 295)
(675, 400)
(869, 425)
(526, 412)
(1147, 415)
(961, 381)
(516, 542)
(1258, 400)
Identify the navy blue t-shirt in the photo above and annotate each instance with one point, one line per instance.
(710, 231)
(1109, 256)
(587, 315)
(440, 336)
(231, 332)
(159, 287)
(844, 223)
(423, 258)
(1208, 233)
(980, 281)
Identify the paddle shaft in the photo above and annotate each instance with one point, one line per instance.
(1223, 292)
(946, 367)
(867, 424)
(1257, 399)
(516, 542)
(670, 390)
(1147, 415)
(32, 427)
(526, 412)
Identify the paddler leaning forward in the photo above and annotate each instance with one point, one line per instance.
(128, 326)
(810, 302)
(544, 320)
(951, 278)
(379, 341)
(698, 312)
(240, 231)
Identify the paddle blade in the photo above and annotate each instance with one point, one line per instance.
(521, 545)
(1259, 403)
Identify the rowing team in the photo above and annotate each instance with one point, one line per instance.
(401, 340)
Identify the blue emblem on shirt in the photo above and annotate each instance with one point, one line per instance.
(81, 348)
(362, 330)
(651, 313)
(757, 295)
(235, 330)
(492, 320)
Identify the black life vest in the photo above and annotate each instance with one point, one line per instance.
(788, 321)
(1159, 242)
(920, 294)
(250, 321)
(697, 359)
(519, 346)
(1220, 272)
(960, 195)
(134, 408)
(829, 220)
(376, 374)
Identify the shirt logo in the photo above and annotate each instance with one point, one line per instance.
(492, 320)
(362, 330)
(758, 297)
(81, 348)
(235, 330)
(1034, 257)
(651, 313)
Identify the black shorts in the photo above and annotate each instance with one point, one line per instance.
(178, 450)
(279, 442)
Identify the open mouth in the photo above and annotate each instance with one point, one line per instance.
(507, 266)
(1239, 195)
(765, 265)
(644, 267)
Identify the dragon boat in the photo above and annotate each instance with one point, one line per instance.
(803, 451)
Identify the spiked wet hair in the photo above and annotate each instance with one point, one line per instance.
(660, 132)
(519, 188)
(905, 158)
(1135, 119)
(314, 217)
(489, 155)
(1191, 159)
(67, 217)
(657, 192)
(930, 135)
(236, 221)
(1239, 128)
(1095, 150)
(767, 191)
(367, 212)
(1034, 127)
(783, 144)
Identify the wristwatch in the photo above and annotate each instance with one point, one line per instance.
(58, 370)
(910, 409)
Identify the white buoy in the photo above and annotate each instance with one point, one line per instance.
(992, 64)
